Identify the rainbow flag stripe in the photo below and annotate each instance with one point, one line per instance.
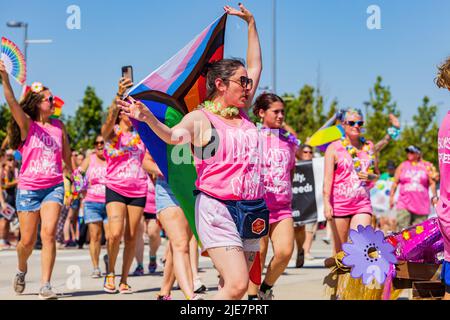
(170, 92)
(14, 60)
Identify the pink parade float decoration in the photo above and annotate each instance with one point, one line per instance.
(421, 243)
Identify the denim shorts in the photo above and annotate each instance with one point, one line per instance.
(31, 200)
(164, 196)
(95, 212)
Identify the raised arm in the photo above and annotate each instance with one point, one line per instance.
(23, 121)
(254, 55)
(380, 145)
(108, 126)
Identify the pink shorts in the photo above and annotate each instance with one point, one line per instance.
(279, 215)
(216, 228)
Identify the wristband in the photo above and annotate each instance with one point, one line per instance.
(393, 132)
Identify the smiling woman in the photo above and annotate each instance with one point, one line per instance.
(43, 144)
(232, 176)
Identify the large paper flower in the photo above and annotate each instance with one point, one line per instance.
(369, 255)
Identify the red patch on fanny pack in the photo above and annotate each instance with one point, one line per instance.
(258, 226)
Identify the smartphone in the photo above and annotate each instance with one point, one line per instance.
(127, 72)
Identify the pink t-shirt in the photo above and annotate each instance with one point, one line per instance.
(124, 173)
(413, 188)
(350, 195)
(42, 156)
(443, 206)
(279, 160)
(96, 175)
(150, 205)
(234, 171)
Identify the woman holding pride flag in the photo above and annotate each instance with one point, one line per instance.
(43, 143)
(279, 148)
(126, 188)
(225, 145)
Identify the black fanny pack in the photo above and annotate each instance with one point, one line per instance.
(250, 216)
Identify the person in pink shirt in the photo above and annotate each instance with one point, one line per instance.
(43, 143)
(350, 168)
(443, 206)
(279, 148)
(126, 189)
(94, 167)
(227, 160)
(414, 177)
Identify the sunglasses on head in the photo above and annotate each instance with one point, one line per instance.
(244, 82)
(354, 123)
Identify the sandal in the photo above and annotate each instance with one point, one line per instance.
(109, 285)
(125, 288)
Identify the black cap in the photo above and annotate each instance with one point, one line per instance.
(413, 149)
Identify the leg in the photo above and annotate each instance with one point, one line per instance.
(168, 275)
(95, 233)
(177, 229)
(28, 223)
(49, 220)
(403, 219)
(364, 219)
(133, 219)
(300, 235)
(232, 266)
(309, 237)
(139, 254)
(154, 231)
(340, 228)
(282, 236)
(116, 216)
(264, 245)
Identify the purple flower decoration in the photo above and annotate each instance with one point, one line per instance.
(368, 254)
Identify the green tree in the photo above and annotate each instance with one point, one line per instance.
(5, 116)
(83, 128)
(423, 132)
(305, 113)
(378, 108)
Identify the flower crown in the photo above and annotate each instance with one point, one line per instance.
(37, 87)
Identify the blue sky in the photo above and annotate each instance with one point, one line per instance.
(326, 35)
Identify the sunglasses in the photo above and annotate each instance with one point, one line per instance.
(310, 152)
(354, 123)
(99, 143)
(244, 82)
(50, 99)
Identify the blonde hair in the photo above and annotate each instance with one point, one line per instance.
(442, 79)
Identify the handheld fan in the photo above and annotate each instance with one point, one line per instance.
(14, 60)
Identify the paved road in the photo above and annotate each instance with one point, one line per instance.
(71, 277)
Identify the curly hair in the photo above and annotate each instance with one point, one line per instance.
(29, 104)
(442, 79)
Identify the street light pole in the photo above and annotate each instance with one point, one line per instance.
(274, 48)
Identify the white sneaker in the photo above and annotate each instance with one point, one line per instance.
(46, 292)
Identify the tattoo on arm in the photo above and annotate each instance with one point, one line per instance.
(230, 248)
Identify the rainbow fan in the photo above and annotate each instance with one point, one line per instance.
(14, 60)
